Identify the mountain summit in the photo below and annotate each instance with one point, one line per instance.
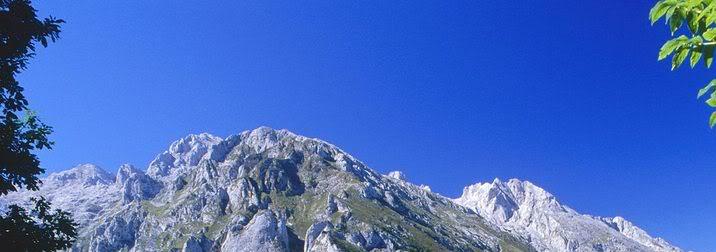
(529, 211)
(273, 190)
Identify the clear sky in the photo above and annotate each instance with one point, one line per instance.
(568, 95)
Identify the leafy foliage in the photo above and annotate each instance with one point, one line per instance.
(695, 42)
(41, 229)
(20, 29)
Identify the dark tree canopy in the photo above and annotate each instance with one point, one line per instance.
(20, 30)
(21, 132)
(39, 230)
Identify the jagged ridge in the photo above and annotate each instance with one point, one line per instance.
(529, 211)
(272, 190)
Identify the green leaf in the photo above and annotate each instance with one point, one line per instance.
(712, 119)
(679, 58)
(658, 11)
(669, 13)
(703, 13)
(710, 34)
(695, 57)
(710, 18)
(695, 47)
(708, 55)
(693, 23)
(671, 45)
(675, 22)
(711, 102)
(706, 89)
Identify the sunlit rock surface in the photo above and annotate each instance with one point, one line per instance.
(528, 211)
(273, 190)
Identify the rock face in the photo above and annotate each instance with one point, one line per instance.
(628, 229)
(86, 190)
(135, 185)
(272, 190)
(265, 233)
(526, 210)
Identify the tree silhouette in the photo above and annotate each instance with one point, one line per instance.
(39, 230)
(21, 132)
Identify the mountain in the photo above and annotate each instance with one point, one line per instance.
(86, 191)
(273, 190)
(529, 211)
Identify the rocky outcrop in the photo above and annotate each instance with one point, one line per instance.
(244, 195)
(628, 229)
(135, 185)
(118, 231)
(324, 243)
(526, 210)
(85, 190)
(187, 151)
(264, 233)
(315, 231)
(84, 175)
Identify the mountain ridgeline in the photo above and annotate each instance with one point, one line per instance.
(273, 190)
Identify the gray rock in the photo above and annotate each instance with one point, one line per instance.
(118, 231)
(316, 238)
(258, 190)
(265, 232)
(192, 245)
(135, 185)
(244, 196)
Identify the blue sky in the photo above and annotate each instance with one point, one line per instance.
(568, 95)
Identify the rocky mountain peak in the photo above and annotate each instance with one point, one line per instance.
(125, 172)
(630, 230)
(264, 138)
(397, 175)
(85, 190)
(185, 151)
(83, 174)
(505, 197)
(528, 210)
(273, 190)
(495, 201)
